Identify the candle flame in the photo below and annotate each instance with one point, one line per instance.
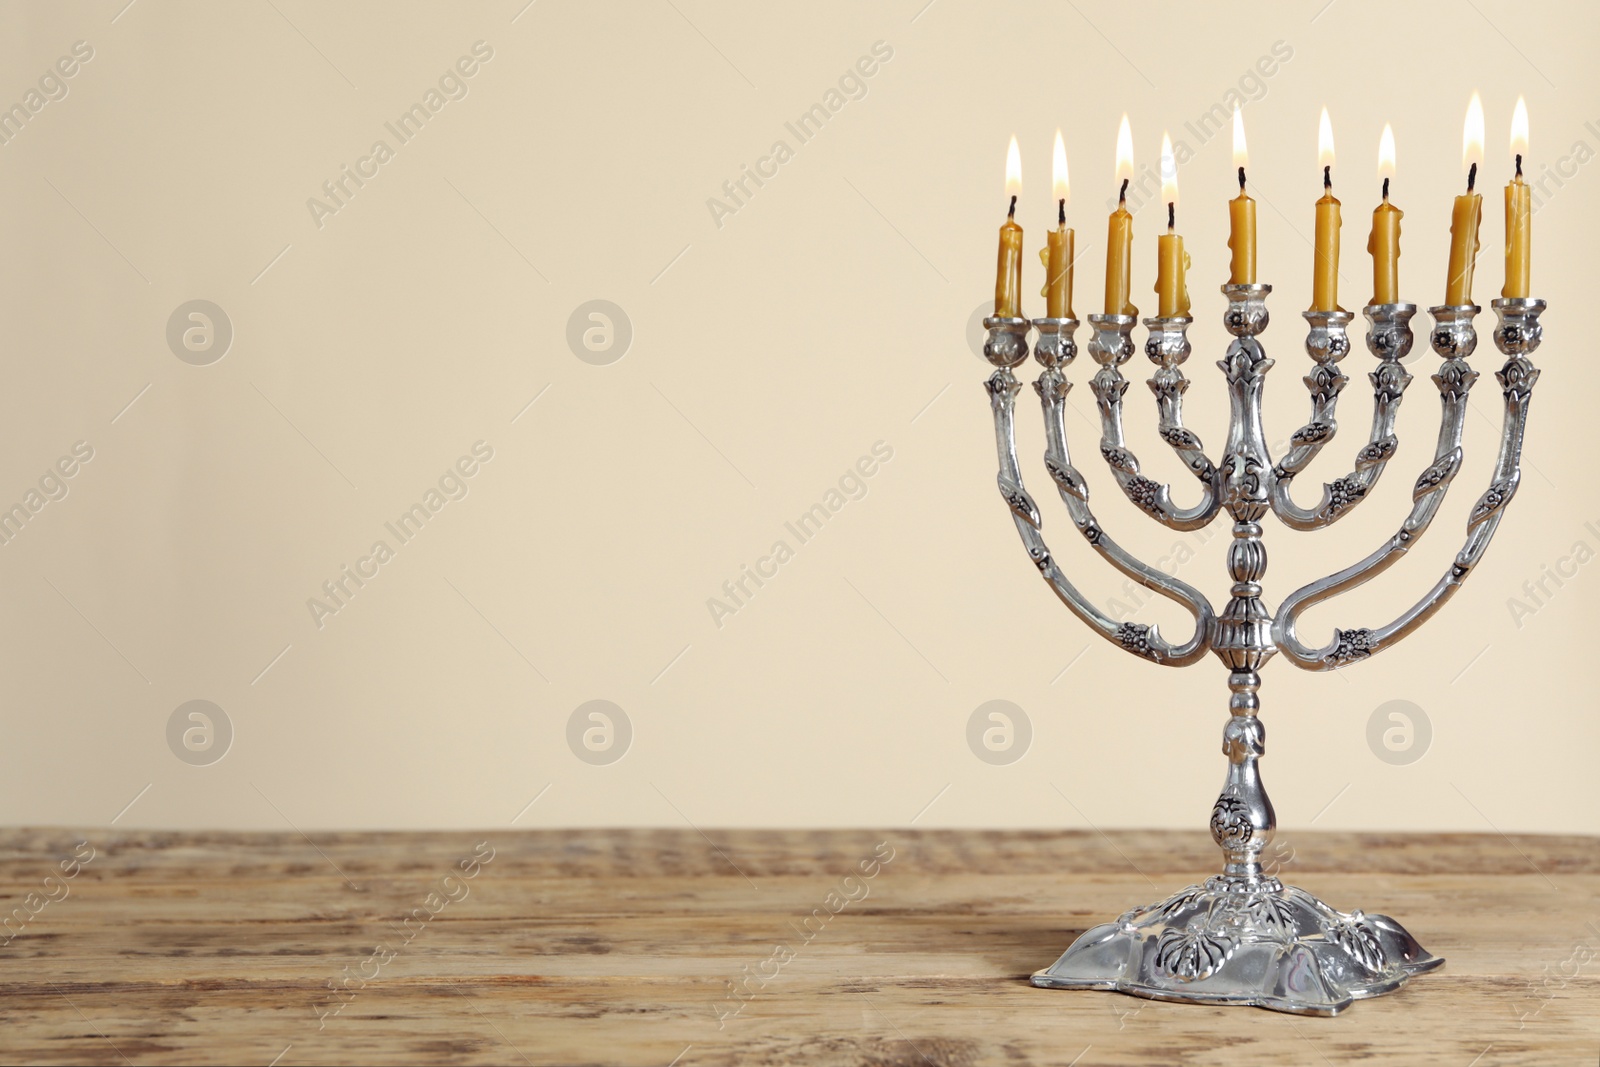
(1241, 155)
(1169, 171)
(1472, 134)
(1124, 151)
(1324, 141)
(1386, 153)
(1519, 128)
(1013, 169)
(1058, 169)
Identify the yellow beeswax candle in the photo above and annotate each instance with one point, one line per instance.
(1384, 244)
(1325, 266)
(1119, 233)
(1172, 289)
(1060, 244)
(1467, 213)
(1519, 212)
(1008, 273)
(1057, 259)
(1241, 216)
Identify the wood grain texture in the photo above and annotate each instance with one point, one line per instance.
(619, 947)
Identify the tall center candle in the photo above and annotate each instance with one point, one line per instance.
(1241, 216)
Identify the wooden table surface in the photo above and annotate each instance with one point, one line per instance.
(743, 947)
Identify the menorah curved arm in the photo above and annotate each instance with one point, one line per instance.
(1142, 640)
(1052, 387)
(1517, 335)
(1168, 347)
(1388, 338)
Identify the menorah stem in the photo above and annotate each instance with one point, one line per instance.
(1242, 821)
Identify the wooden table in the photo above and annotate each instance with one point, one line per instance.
(619, 946)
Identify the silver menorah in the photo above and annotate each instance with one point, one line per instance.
(1244, 937)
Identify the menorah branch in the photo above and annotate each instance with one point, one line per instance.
(1517, 335)
(1168, 346)
(1006, 349)
(1389, 339)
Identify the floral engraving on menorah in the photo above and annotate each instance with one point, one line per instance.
(1243, 937)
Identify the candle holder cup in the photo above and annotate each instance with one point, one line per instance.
(1243, 936)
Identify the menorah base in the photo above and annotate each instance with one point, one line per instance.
(1260, 944)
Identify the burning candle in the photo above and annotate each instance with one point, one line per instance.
(1008, 275)
(1172, 263)
(1119, 236)
(1468, 212)
(1325, 274)
(1241, 215)
(1384, 244)
(1519, 211)
(1058, 255)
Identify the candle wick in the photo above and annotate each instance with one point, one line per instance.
(1519, 164)
(1172, 216)
(1386, 188)
(1012, 213)
(1327, 177)
(1123, 195)
(1061, 212)
(1241, 179)
(1472, 177)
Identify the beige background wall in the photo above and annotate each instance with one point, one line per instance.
(374, 346)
